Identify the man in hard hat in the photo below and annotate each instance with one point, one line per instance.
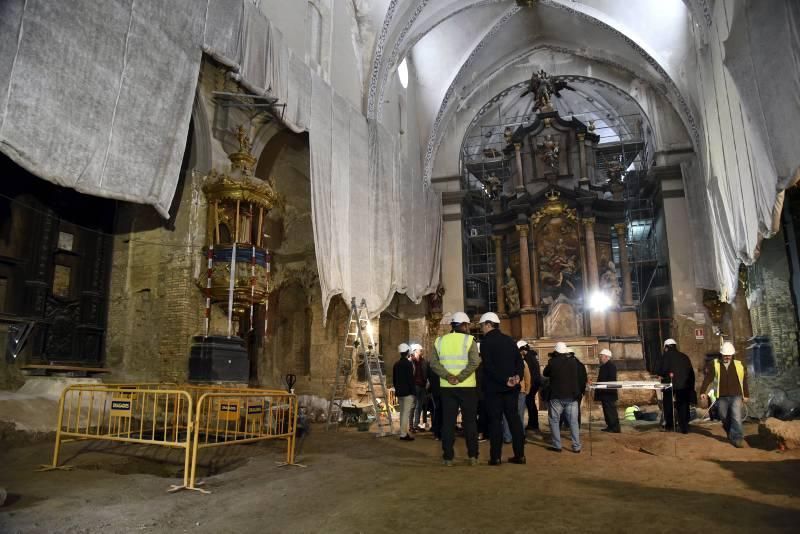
(420, 381)
(532, 360)
(503, 370)
(676, 368)
(524, 389)
(455, 359)
(730, 384)
(608, 397)
(403, 382)
(566, 374)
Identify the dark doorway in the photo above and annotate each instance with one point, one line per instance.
(55, 253)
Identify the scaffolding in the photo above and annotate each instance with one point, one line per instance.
(487, 173)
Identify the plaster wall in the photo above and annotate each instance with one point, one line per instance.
(678, 235)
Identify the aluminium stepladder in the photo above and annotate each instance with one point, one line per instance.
(359, 341)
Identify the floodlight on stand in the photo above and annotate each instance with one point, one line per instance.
(599, 301)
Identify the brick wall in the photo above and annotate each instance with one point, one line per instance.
(773, 314)
(154, 304)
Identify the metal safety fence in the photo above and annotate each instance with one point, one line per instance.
(232, 418)
(188, 418)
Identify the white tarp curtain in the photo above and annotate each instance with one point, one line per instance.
(377, 229)
(97, 96)
(733, 190)
(762, 53)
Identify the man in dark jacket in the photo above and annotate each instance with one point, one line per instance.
(436, 401)
(676, 368)
(403, 382)
(567, 381)
(608, 397)
(503, 370)
(532, 359)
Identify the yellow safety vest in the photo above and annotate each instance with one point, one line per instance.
(739, 373)
(453, 350)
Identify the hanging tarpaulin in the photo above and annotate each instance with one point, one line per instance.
(97, 96)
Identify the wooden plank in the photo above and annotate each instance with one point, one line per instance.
(65, 368)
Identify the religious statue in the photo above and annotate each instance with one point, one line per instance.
(542, 86)
(511, 291)
(549, 152)
(493, 186)
(609, 284)
(244, 141)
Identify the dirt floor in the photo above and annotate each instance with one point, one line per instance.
(645, 481)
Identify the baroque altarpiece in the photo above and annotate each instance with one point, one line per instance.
(559, 237)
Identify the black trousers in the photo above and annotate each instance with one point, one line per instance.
(436, 427)
(682, 399)
(533, 411)
(498, 405)
(467, 400)
(483, 419)
(610, 414)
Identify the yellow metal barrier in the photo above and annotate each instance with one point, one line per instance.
(244, 416)
(187, 417)
(128, 414)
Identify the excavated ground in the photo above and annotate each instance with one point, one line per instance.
(645, 481)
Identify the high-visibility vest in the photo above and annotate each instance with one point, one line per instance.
(739, 373)
(453, 350)
(630, 413)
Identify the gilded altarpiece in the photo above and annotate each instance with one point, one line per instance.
(557, 247)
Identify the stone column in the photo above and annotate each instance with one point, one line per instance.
(498, 267)
(584, 180)
(534, 270)
(520, 187)
(627, 291)
(524, 267)
(591, 253)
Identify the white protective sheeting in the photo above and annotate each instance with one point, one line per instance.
(762, 53)
(97, 96)
(733, 192)
(377, 229)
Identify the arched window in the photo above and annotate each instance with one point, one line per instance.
(314, 34)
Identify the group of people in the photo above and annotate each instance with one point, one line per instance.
(493, 383)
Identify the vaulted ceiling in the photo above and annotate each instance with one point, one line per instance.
(464, 52)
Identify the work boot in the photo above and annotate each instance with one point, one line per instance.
(517, 460)
(739, 444)
(495, 462)
(407, 437)
(472, 461)
(554, 449)
(447, 463)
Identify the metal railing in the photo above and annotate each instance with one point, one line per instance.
(187, 417)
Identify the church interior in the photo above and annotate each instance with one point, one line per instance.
(233, 213)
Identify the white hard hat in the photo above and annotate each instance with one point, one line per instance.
(402, 347)
(728, 349)
(459, 317)
(670, 341)
(414, 346)
(489, 316)
(605, 352)
(522, 343)
(561, 348)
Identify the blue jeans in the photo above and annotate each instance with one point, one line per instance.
(571, 409)
(521, 409)
(730, 411)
